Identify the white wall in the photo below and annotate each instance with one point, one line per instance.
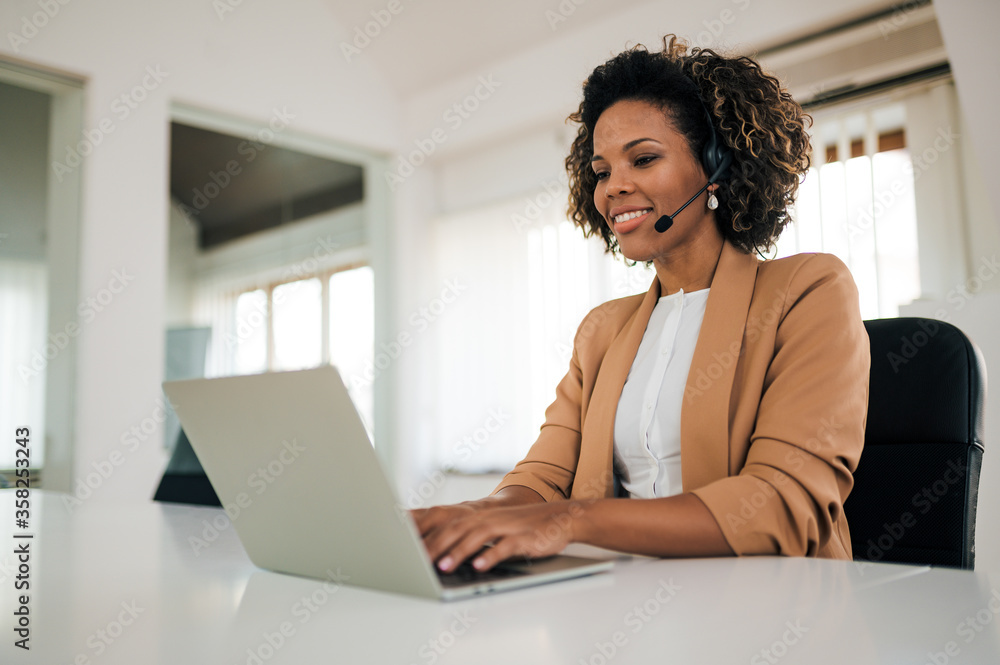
(943, 242)
(257, 58)
(969, 31)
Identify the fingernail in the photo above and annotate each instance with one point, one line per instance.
(445, 563)
(479, 564)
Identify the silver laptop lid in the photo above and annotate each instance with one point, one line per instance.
(282, 452)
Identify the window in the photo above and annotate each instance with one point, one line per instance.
(352, 334)
(251, 325)
(25, 349)
(298, 324)
(858, 203)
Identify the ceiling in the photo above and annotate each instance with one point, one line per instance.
(232, 186)
(419, 47)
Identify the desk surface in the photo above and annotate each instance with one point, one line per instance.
(123, 583)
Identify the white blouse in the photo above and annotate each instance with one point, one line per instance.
(648, 421)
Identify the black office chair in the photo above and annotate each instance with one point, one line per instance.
(915, 490)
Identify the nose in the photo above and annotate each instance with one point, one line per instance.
(618, 183)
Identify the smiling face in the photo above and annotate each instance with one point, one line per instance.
(645, 169)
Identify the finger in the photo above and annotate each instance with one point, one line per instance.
(439, 540)
(429, 519)
(503, 549)
(530, 540)
(468, 544)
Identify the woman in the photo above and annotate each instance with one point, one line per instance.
(727, 403)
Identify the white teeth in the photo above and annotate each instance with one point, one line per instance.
(625, 216)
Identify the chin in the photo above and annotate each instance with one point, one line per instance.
(636, 252)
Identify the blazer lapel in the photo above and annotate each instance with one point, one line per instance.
(594, 472)
(705, 414)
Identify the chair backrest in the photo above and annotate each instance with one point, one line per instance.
(915, 489)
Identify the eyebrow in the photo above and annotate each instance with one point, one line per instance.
(628, 146)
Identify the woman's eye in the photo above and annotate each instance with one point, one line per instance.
(601, 175)
(642, 161)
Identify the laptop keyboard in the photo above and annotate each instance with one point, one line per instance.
(465, 574)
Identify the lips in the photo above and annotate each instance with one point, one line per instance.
(631, 219)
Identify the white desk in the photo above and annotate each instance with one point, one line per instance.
(90, 565)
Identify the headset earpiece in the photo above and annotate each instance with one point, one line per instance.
(716, 158)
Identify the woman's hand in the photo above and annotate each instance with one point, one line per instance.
(452, 534)
(431, 519)
(518, 522)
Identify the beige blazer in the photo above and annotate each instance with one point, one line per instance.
(774, 410)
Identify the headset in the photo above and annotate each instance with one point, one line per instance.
(716, 159)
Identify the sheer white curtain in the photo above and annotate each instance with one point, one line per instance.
(23, 340)
(215, 307)
(505, 341)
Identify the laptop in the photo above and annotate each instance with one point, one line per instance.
(295, 470)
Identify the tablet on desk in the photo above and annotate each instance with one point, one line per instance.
(295, 470)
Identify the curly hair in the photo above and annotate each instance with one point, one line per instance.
(760, 123)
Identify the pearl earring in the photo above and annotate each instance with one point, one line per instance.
(713, 202)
